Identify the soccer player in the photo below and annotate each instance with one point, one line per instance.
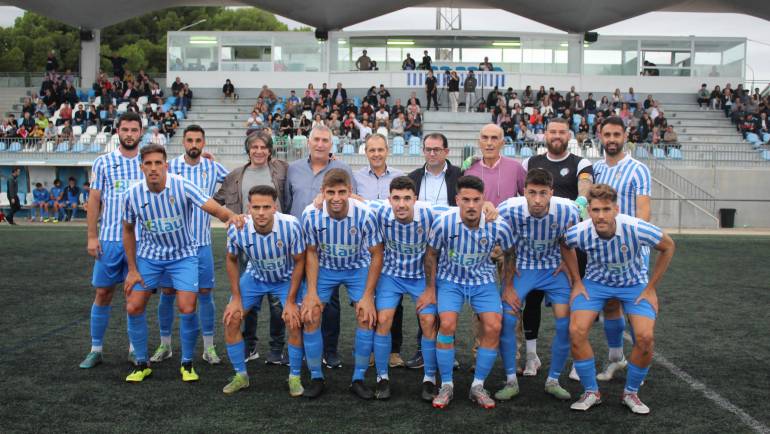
(40, 198)
(56, 201)
(275, 247)
(632, 181)
(112, 175)
(71, 197)
(539, 221)
(161, 206)
(344, 246)
(205, 174)
(615, 244)
(465, 240)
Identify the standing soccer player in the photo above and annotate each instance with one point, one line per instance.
(274, 245)
(617, 246)
(112, 175)
(632, 181)
(161, 206)
(538, 221)
(464, 270)
(205, 174)
(344, 246)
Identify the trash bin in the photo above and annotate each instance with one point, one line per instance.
(726, 217)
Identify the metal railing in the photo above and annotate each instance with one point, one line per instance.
(746, 213)
(680, 184)
(27, 79)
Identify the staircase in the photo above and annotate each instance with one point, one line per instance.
(11, 99)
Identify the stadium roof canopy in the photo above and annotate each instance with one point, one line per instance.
(567, 15)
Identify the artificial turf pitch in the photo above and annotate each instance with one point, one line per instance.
(713, 325)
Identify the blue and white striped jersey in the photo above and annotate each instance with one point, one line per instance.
(113, 175)
(165, 232)
(618, 261)
(464, 256)
(537, 239)
(405, 243)
(271, 256)
(630, 178)
(342, 244)
(205, 175)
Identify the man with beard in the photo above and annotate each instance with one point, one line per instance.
(632, 181)
(205, 174)
(111, 176)
(572, 178)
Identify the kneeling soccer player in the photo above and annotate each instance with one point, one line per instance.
(538, 221)
(275, 247)
(615, 246)
(160, 206)
(465, 271)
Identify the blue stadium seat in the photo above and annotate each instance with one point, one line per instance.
(103, 114)
(398, 145)
(675, 154)
(641, 153)
(179, 114)
(766, 155)
(3, 146)
(473, 68)
(526, 152)
(19, 122)
(357, 101)
(509, 151)
(658, 154)
(63, 147)
(348, 149)
(459, 68)
(171, 100)
(415, 145)
(508, 140)
(91, 94)
(15, 147)
(335, 144)
(445, 68)
(434, 68)
(78, 147)
(166, 106)
(95, 148)
(276, 107)
(299, 142)
(591, 118)
(497, 69)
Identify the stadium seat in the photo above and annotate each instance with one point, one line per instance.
(508, 140)
(276, 107)
(658, 154)
(384, 132)
(445, 68)
(414, 145)
(77, 130)
(141, 102)
(97, 101)
(592, 153)
(335, 144)
(497, 69)
(91, 94)
(122, 107)
(361, 149)
(591, 118)
(434, 68)
(91, 130)
(49, 146)
(641, 153)
(63, 146)
(397, 147)
(473, 68)
(96, 147)
(3, 146)
(78, 147)
(675, 154)
(766, 155)
(179, 114)
(357, 101)
(103, 114)
(348, 149)
(542, 150)
(509, 151)
(171, 100)
(526, 152)
(459, 68)
(299, 142)
(114, 141)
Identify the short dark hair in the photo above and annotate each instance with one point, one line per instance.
(336, 177)
(57, 181)
(263, 190)
(151, 149)
(72, 178)
(614, 120)
(539, 176)
(194, 128)
(602, 192)
(559, 121)
(87, 183)
(129, 117)
(444, 141)
(38, 184)
(403, 183)
(470, 181)
(16, 169)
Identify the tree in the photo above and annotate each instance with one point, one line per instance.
(141, 40)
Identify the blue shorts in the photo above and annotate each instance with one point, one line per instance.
(252, 291)
(205, 270)
(52, 202)
(557, 288)
(482, 298)
(39, 203)
(390, 289)
(354, 281)
(599, 294)
(110, 267)
(182, 272)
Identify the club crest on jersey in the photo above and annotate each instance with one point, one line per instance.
(279, 244)
(171, 200)
(624, 248)
(483, 241)
(353, 231)
(204, 174)
(419, 231)
(564, 171)
(554, 225)
(617, 177)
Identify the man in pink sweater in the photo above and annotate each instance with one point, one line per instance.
(503, 176)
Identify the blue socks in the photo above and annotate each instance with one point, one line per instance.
(634, 377)
(382, 347)
(295, 360)
(362, 350)
(166, 314)
(206, 310)
(485, 359)
(235, 354)
(586, 369)
(559, 348)
(508, 343)
(445, 358)
(188, 331)
(137, 334)
(429, 357)
(100, 318)
(313, 348)
(613, 330)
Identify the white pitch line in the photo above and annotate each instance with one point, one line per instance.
(710, 394)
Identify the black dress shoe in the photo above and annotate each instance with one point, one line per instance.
(383, 390)
(315, 389)
(359, 389)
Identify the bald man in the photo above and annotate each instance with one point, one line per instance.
(503, 177)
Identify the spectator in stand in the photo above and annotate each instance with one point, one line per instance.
(66, 134)
(426, 61)
(27, 121)
(583, 131)
(383, 93)
(325, 92)
(408, 64)
(364, 62)
(578, 106)
(492, 97)
(71, 198)
(703, 96)
(396, 108)
(413, 106)
(453, 87)
(670, 139)
(661, 121)
(399, 125)
(311, 92)
(255, 122)
(647, 103)
(654, 111)
(40, 198)
(546, 109)
(431, 90)
(507, 125)
(381, 118)
(286, 127)
(334, 125)
(7, 129)
(51, 63)
(317, 121)
(630, 99)
(50, 133)
(645, 126)
(413, 126)
(625, 114)
(79, 117)
(616, 99)
(486, 65)
(41, 121)
(748, 126)
(170, 124)
(28, 106)
(118, 65)
(268, 96)
(305, 125)
(604, 106)
(340, 96)
(654, 138)
(228, 91)
(156, 138)
(715, 98)
(366, 109)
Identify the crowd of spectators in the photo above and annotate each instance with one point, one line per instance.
(748, 110)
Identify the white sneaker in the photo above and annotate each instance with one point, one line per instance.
(532, 365)
(586, 401)
(632, 401)
(611, 369)
(573, 375)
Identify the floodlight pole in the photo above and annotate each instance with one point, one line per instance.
(193, 24)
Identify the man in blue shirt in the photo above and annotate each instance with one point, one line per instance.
(71, 197)
(161, 206)
(40, 197)
(56, 202)
(616, 245)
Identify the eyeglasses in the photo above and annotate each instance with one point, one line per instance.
(433, 150)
